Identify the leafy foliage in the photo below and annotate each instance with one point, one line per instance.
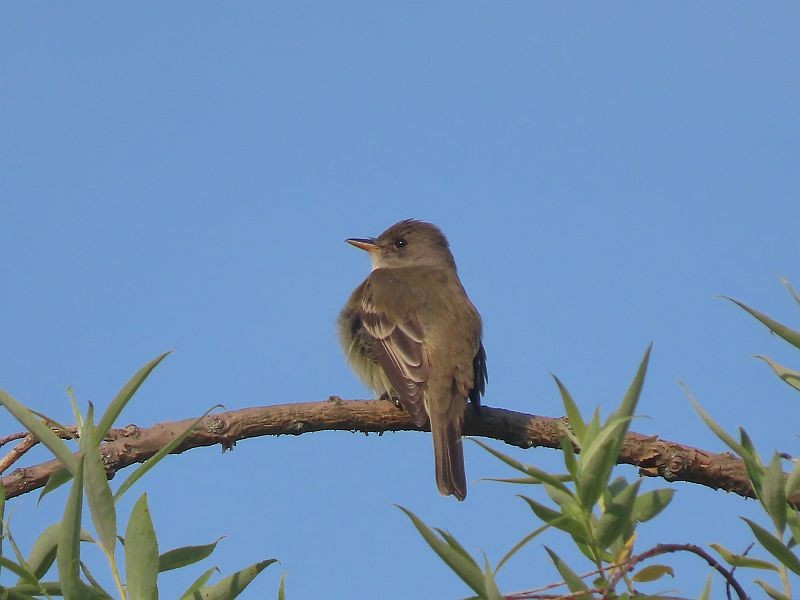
(601, 515)
(60, 544)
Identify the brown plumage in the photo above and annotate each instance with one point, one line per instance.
(410, 331)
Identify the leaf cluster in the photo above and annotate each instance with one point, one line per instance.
(59, 545)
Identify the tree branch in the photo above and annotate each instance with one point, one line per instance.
(132, 444)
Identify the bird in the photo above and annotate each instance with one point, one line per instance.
(411, 333)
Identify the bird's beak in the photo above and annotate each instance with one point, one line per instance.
(368, 244)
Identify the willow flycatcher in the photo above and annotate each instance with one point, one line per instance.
(409, 331)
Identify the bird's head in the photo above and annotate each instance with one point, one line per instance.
(405, 244)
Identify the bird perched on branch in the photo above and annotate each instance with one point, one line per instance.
(409, 331)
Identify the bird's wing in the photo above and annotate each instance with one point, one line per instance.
(480, 377)
(400, 350)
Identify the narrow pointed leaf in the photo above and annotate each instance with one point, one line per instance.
(76, 413)
(519, 545)
(43, 553)
(788, 334)
(68, 552)
(453, 542)
(527, 469)
(652, 573)
(463, 566)
(792, 291)
(45, 435)
(573, 581)
(771, 591)
(100, 499)
(151, 462)
(184, 556)
(793, 481)
(773, 495)
(617, 520)
(569, 455)
(198, 583)
(55, 481)
(232, 585)
(597, 461)
(775, 546)
(738, 560)
(594, 470)
(123, 396)
(492, 592)
(650, 504)
(572, 410)
(719, 431)
(24, 574)
(558, 520)
(141, 553)
(282, 588)
(705, 594)
(788, 375)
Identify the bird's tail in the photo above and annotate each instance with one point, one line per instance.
(448, 456)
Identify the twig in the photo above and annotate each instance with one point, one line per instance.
(28, 442)
(12, 437)
(669, 548)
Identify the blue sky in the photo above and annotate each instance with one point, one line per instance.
(182, 176)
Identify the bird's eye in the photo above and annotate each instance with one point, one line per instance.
(400, 243)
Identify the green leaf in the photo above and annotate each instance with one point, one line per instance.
(569, 455)
(558, 496)
(18, 570)
(616, 521)
(600, 455)
(791, 336)
(793, 481)
(775, 546)
(43, 553)
(771, 591)
(713, 426)
(490, 585)
(597, 461)
(739, 560)
(519, 545)
(705, 594)
(123, 396)
(650, 504)
(184, 556)
(463, 566)
(76, 413)
(68, 552)
(573, 581)
(453, 542)
(529, 470)
(233, 585)
(558, 520)
(99, 498)
(787, 375)
(141, 553)
(793, 521)
(652, 573)
(572, 410)
(55, 481)
(151, 462)
(792, 291)
(198, 583)
(45, 435)
(282, 588)
(773, 495)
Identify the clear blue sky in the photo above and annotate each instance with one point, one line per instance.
(182, 175)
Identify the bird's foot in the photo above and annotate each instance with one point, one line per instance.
(395, 399)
